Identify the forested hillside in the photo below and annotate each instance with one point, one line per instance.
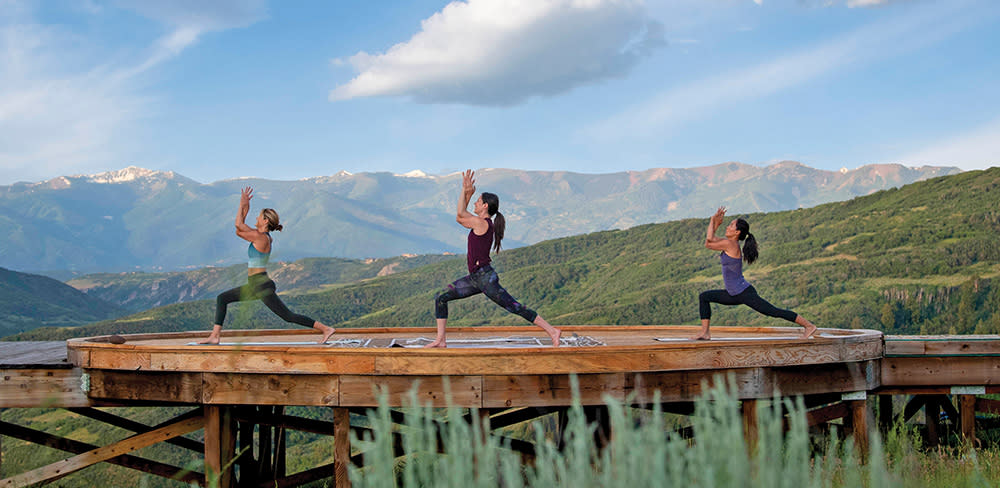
(28, 301)
(923, 258)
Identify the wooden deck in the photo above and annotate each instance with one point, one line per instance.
(498, 370)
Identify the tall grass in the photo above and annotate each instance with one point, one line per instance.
(640, 453)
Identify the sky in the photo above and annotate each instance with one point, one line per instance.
(221, 89)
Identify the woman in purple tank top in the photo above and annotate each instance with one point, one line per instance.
(737, 290)
(484, 234)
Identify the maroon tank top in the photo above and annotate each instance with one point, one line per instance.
(479, 248)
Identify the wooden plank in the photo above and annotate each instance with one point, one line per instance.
(270, 389)
(501, 391)
(341, 447)
(933, 371)
(185, 388)
(77, 447)
(278, 360)
(362, 391)
(33, 355)
(682, 386)
(942, 345)
(903, 348)
(43, 388)
(80, 461)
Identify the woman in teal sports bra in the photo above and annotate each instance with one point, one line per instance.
(259, 286)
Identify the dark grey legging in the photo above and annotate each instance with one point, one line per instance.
(483, 280)
(748, 297)
(258, 287)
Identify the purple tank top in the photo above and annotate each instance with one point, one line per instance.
(479, 248)
(732, 274)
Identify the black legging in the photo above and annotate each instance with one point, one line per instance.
(748, 297)
(483, 280)
(258, 287)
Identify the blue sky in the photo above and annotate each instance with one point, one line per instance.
(218, 89)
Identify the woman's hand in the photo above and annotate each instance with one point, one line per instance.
(245, 195)
(720, 214)
(468, 183)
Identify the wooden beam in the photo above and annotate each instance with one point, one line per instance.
(751, 430)
(45, 388)
(967, 412)
(138, 427)
(859, 421)
(300, 478)
(885, 414)
(825, 414)
(78, 462)
(987, 405)
(341, 447)
(219, 439)
(77, 447)
(938, 371)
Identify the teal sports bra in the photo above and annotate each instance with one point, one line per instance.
(257, 259)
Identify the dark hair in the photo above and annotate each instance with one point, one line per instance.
(750, 246)
(499, 223)
(271, 216)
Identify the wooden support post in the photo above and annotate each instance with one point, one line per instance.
(219, 444)
(341, 447)
(932, 419)
(885, 417)
(751, 430)
(857, 402)
(967, 411)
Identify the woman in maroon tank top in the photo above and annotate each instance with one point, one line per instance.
(484, 234)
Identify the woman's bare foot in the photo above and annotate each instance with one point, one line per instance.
(553, 332)
(703, 334)
(439, 342)
(326, 330)
(213, 338)
(810, 328)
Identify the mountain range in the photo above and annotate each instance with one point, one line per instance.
(139, 219)
(920, 259)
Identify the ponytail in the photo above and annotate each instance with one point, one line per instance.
(750, 249)
(750, 242)
(499, 223)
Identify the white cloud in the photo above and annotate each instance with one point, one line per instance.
(64, 108)
(977, 149)
(662, 112)
(502, 52)
(866, 3)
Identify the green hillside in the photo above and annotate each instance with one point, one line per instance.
(923, 258)
(31, 301)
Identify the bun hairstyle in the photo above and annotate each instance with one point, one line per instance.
(499, 223)
(750, 246)
(273, 222)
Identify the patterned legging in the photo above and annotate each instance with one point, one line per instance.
(258, 287)
(483, 280)
(748, 297)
